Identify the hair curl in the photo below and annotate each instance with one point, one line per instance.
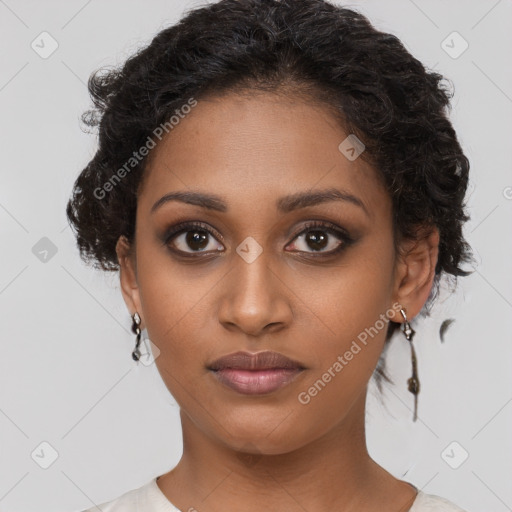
(331, 55)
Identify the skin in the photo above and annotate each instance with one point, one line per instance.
(270, 452)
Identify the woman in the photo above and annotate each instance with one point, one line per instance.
(279, 186)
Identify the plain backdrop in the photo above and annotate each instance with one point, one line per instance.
(80, 422)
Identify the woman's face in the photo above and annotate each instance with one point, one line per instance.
(248, 276)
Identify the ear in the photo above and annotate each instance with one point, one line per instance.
(415, 271)
(128, 277)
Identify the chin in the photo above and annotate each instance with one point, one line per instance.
(263, 438)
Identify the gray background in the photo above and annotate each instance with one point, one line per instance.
(66, 373)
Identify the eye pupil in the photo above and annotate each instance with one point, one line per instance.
(317, 239)
(197, 237)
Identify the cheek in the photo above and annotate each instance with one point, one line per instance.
(355, 308)
(176, 300)
(350, 297)
(171, 293)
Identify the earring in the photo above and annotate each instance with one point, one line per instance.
(136, 330)
(413, 383)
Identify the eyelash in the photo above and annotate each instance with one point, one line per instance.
(328, 227)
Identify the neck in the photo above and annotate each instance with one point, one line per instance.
(334, 471)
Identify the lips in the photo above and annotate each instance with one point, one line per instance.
(252, 374)
(260, 361)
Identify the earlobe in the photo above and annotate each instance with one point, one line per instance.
(128, 276)
(416, 271)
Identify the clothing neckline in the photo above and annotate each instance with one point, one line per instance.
(164, 501)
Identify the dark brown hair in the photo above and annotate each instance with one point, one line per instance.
(332, 55)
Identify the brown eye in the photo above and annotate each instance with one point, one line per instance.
(192, 238)
(321, 238)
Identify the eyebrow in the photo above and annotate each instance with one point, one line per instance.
(284, 204)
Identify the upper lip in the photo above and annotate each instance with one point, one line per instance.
(259, 361)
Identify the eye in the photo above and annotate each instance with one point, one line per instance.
(321, 238)
(196, 236)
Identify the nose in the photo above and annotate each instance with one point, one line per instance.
(255, 300)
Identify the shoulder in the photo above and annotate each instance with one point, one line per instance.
(432, 503)
(127, 502)
(147, 497)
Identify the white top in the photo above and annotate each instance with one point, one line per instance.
(149, 498)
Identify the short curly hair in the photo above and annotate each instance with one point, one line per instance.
(326, 53)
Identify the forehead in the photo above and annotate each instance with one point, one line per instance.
(252, 150)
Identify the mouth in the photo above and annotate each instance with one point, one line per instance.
(255, 374)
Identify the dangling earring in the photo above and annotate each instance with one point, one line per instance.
(413, 383)
(136, 330)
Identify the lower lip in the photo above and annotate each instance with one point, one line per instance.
(256, 382)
